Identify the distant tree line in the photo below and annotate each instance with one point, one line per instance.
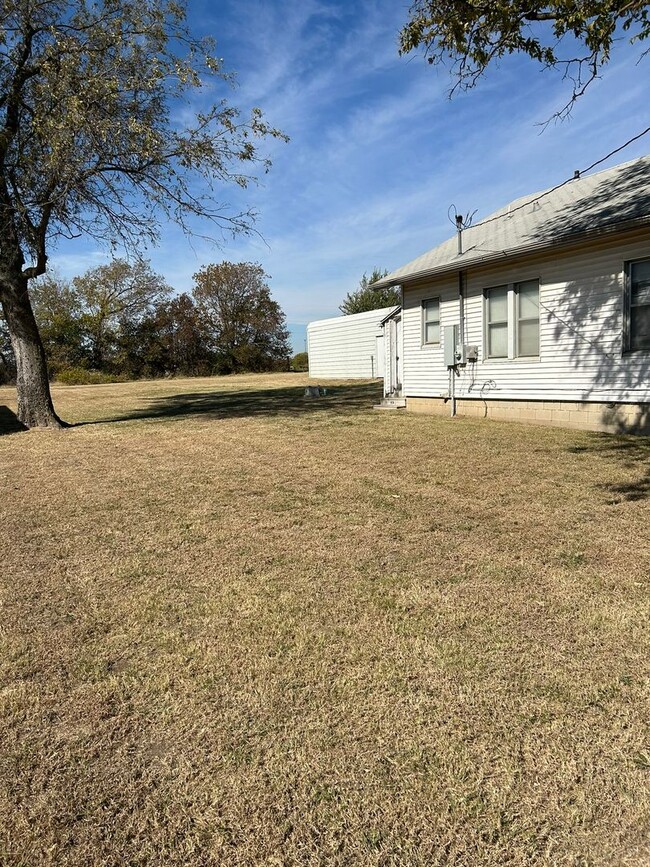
(123, 321)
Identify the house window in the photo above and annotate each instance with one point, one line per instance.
(527, 295)
(638, 305)
(512, 320)
(497, 322)
(431, 321)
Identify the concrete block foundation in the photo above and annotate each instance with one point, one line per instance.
(606, 417)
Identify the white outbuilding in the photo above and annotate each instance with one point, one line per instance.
(348, 347)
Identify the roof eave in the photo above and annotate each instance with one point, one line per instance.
(524, 249)
(392, 313)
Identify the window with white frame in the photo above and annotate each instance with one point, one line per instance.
(497, 322)
(637, 306)
(527, 301)
(431, 321)
(512, 320)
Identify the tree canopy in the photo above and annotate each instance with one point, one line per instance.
(247, 327)
(118, 321)
(113, 295)
(575, 35)
(367, 297)
(92, 141)
(59, 314)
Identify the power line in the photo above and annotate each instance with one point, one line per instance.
(576, 175)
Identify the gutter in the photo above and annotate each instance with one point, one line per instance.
(540, 246)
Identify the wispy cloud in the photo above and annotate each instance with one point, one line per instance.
(69, 264)
(378, 153)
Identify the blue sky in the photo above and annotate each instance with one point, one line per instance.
(378, 153)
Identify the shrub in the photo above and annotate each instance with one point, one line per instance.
(81, 376)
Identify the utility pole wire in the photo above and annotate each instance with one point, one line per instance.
(564, 183)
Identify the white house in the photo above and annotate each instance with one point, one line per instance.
(540, 312)
(348, 347)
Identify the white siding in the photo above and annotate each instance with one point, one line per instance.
(425, 374)
(345, 347)
(581, 330)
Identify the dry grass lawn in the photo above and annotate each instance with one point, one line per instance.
(244, 628)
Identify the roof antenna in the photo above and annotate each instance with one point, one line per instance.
(461, 223)
(459, 232)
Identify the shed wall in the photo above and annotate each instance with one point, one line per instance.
(345, 347)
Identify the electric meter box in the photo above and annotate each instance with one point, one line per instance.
(457, 353)
(450, 344)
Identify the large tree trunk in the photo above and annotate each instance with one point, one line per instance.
(35, 407)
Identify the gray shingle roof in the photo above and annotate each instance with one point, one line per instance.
(609, 201)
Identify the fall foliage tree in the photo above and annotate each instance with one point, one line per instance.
(247, 327)
(115, 296)
(59, 311)
(172, 339)
(90, 143)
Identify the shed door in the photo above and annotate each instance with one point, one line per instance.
(395, 353)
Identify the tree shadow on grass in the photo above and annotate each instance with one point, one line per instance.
(9, 423)
(337, 400)
(630, 453)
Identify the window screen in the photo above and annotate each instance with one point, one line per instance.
(431, 321)
(497, 322)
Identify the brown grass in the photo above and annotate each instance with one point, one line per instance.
(244, 628)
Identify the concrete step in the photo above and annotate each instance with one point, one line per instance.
(391, 403)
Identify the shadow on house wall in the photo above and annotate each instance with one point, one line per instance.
(616, 419)
(587, 323)
(588, 318)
